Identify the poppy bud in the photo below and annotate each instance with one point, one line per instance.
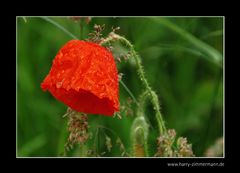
(139, 135)
(84, 77)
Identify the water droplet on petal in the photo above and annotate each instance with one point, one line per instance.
(101, 95)
(58, 84)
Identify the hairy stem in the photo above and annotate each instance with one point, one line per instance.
(114, 37)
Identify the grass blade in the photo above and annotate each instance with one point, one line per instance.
(60, 27)
(214, 55)
(31, 146)
(128, 91)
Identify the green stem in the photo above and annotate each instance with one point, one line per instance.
(128, 91)
(112, 37)
(142, 101)
(25, 20)
(81, 29)
(95, 145)
(140, 113)
(59, 27)
(146, 148)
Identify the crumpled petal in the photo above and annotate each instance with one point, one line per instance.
(84, 76)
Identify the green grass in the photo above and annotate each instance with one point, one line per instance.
(183, 62)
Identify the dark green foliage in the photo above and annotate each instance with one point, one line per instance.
(187, 76)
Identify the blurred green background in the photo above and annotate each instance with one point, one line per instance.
(182, 58)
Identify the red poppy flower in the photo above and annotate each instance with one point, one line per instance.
(84, 77)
